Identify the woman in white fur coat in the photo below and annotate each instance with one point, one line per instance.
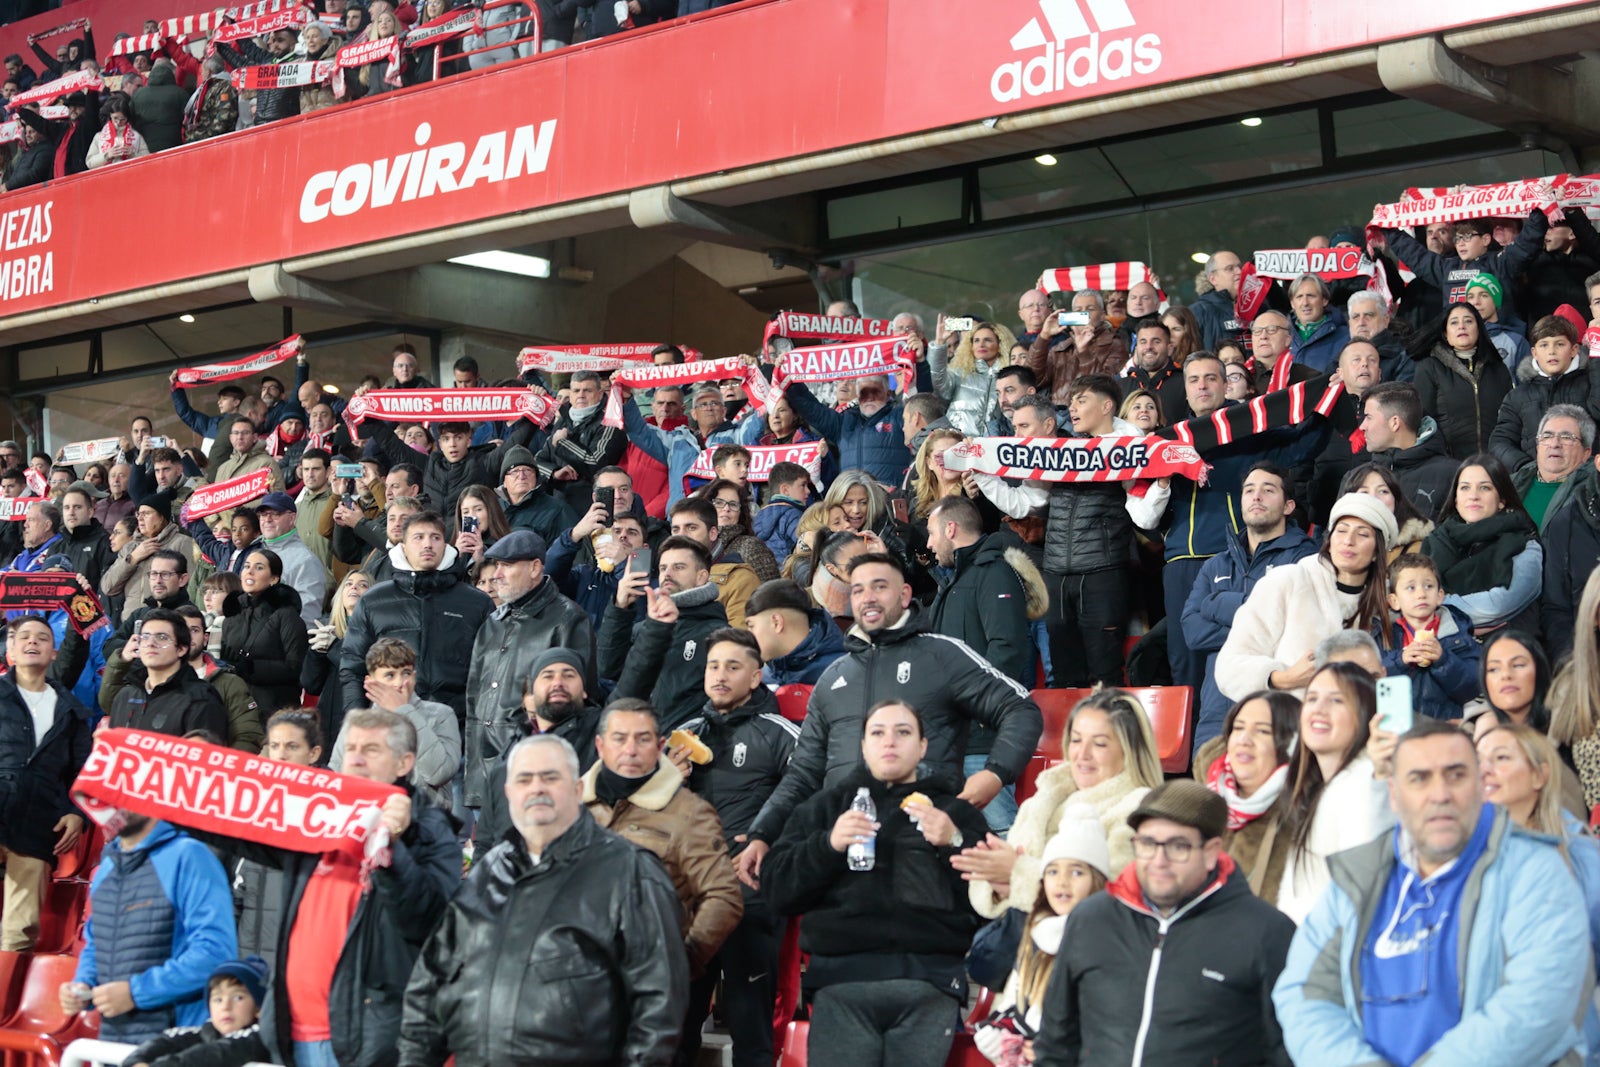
(1292, 609)
(1111, 764)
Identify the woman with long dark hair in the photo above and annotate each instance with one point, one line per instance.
(1335, 797)
(263, 637)
(1491, 564)
(1460, 377)
(1248, 766)
(1376, 480)
(1343, 587)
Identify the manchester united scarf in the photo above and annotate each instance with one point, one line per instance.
(565, 359)
(229, 792)
(207, 373)
(1270, 411)
(763, 458)
(212, 499)
(452, 405)
(89, 451)
(835, 327)
(1101, 277)
(649, 376)
(836, 363)
(52, 591)
(1077, 459)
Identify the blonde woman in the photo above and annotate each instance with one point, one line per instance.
(813, 522)
(933, 481)
(1110, 764)
(1142, 408)
(319, 673)
(1574, 699)
(967, 379)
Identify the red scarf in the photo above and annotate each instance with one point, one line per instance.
(206, 373)
(117, 145)
(1077, 459)
(1221, 780)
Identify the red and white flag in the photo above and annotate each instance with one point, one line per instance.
(763, 458)
(266, 359)
(221, 496)
(15, 508)
(1077, 459)
(1101, 277)
(77, 81)
(452, 405)
(229, 792)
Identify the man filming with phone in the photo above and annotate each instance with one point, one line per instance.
(589, 560)
(1074, 343)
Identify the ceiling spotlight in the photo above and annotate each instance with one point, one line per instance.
(1252, 122)
(330, 388)
(1200, 257)
(185, 318)
(1045, 160)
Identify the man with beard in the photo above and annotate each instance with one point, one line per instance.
(162, 922)
(892, 654)
(580, 444)
(750, 745)
(1154, 370)
(554, 701)
(1268, 540)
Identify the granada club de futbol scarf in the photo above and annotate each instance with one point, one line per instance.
(884, 356)
(232, 793)
(1077, 459)
(52, 591)
(650, 376)
(1461, 203)
(207, 373)
(835, 327)
(221, 496)
(452, 405)
(283, 75)
(763, 458)
(15, 508)
(565, 359)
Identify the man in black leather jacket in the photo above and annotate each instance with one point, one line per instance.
(562, 946)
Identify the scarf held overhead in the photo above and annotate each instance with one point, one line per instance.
(89, 451)
(452, 405)
(836, 327)
(564, 359)
(1077, 459)
(206, 373)
(228, 792)
(53, 591)
(649, 376)
(1270, 411)
(883, 357)
(1101, 277)
(1424, 207)
(211, 499)
(763, 458)
(78, 80)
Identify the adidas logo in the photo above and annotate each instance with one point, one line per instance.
(1056, 67)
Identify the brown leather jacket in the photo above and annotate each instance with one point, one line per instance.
(1057, 363)
(684, 831)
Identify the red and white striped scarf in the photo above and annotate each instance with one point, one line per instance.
(1101, 277)
(565, 359)
(1077, 459)
(115, 144)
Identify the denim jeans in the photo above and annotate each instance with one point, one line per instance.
(1002, 810)
(314, 1054)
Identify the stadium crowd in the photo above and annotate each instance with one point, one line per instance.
(563, 642)
(160, 90)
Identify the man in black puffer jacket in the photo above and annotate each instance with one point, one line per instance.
(429, 607)
(533, 617)
(158, 108)
(662, 658)
(1559, 372)
(271, 104)
(1181, 924)
(173, 700)
(891, 655)
(88, 544)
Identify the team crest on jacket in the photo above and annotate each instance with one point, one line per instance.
(688, 651)
(738, 754)
(902, 673)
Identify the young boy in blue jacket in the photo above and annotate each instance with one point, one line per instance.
(777, 523)
(1429, 640)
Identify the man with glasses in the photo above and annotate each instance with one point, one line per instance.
(525, 506)
(10, 455)
(1270, 335)
(1475, 253)
(1181, 924)
(680, 446)
(1214, 311)
(171, 699)
(1383, 970)
(1565, 444)
(1032, 308)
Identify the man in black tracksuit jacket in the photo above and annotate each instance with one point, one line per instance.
(443, 478)
(890, 655)
(1188, 932)
(750, 744)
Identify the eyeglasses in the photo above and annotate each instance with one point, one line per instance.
(163, 574)
(1546, 436)
(1261, 331)
(155, 640)
(1239, 376)
(725, 505)
(1178, 849)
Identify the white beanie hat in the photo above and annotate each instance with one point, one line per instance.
(1370, 510)
(1080, 837)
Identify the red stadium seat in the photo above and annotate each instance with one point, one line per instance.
(1056, 705)
(792, 701)
(1028, 784)
(788, 998)
(981, 1010)
(39, 1026)
(1594, 816)
(13, 971)
(963, 1053)
(1171, 711)
(85, 855)
(61, 916)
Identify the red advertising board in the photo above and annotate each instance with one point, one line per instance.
(600, 118)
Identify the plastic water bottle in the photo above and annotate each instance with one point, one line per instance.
(863, 855)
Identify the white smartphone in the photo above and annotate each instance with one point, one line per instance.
(1394, 704)
(1072, 318)
(958, 325)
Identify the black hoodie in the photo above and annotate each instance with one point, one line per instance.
(157, 110)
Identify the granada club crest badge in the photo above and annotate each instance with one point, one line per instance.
(902, 673)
